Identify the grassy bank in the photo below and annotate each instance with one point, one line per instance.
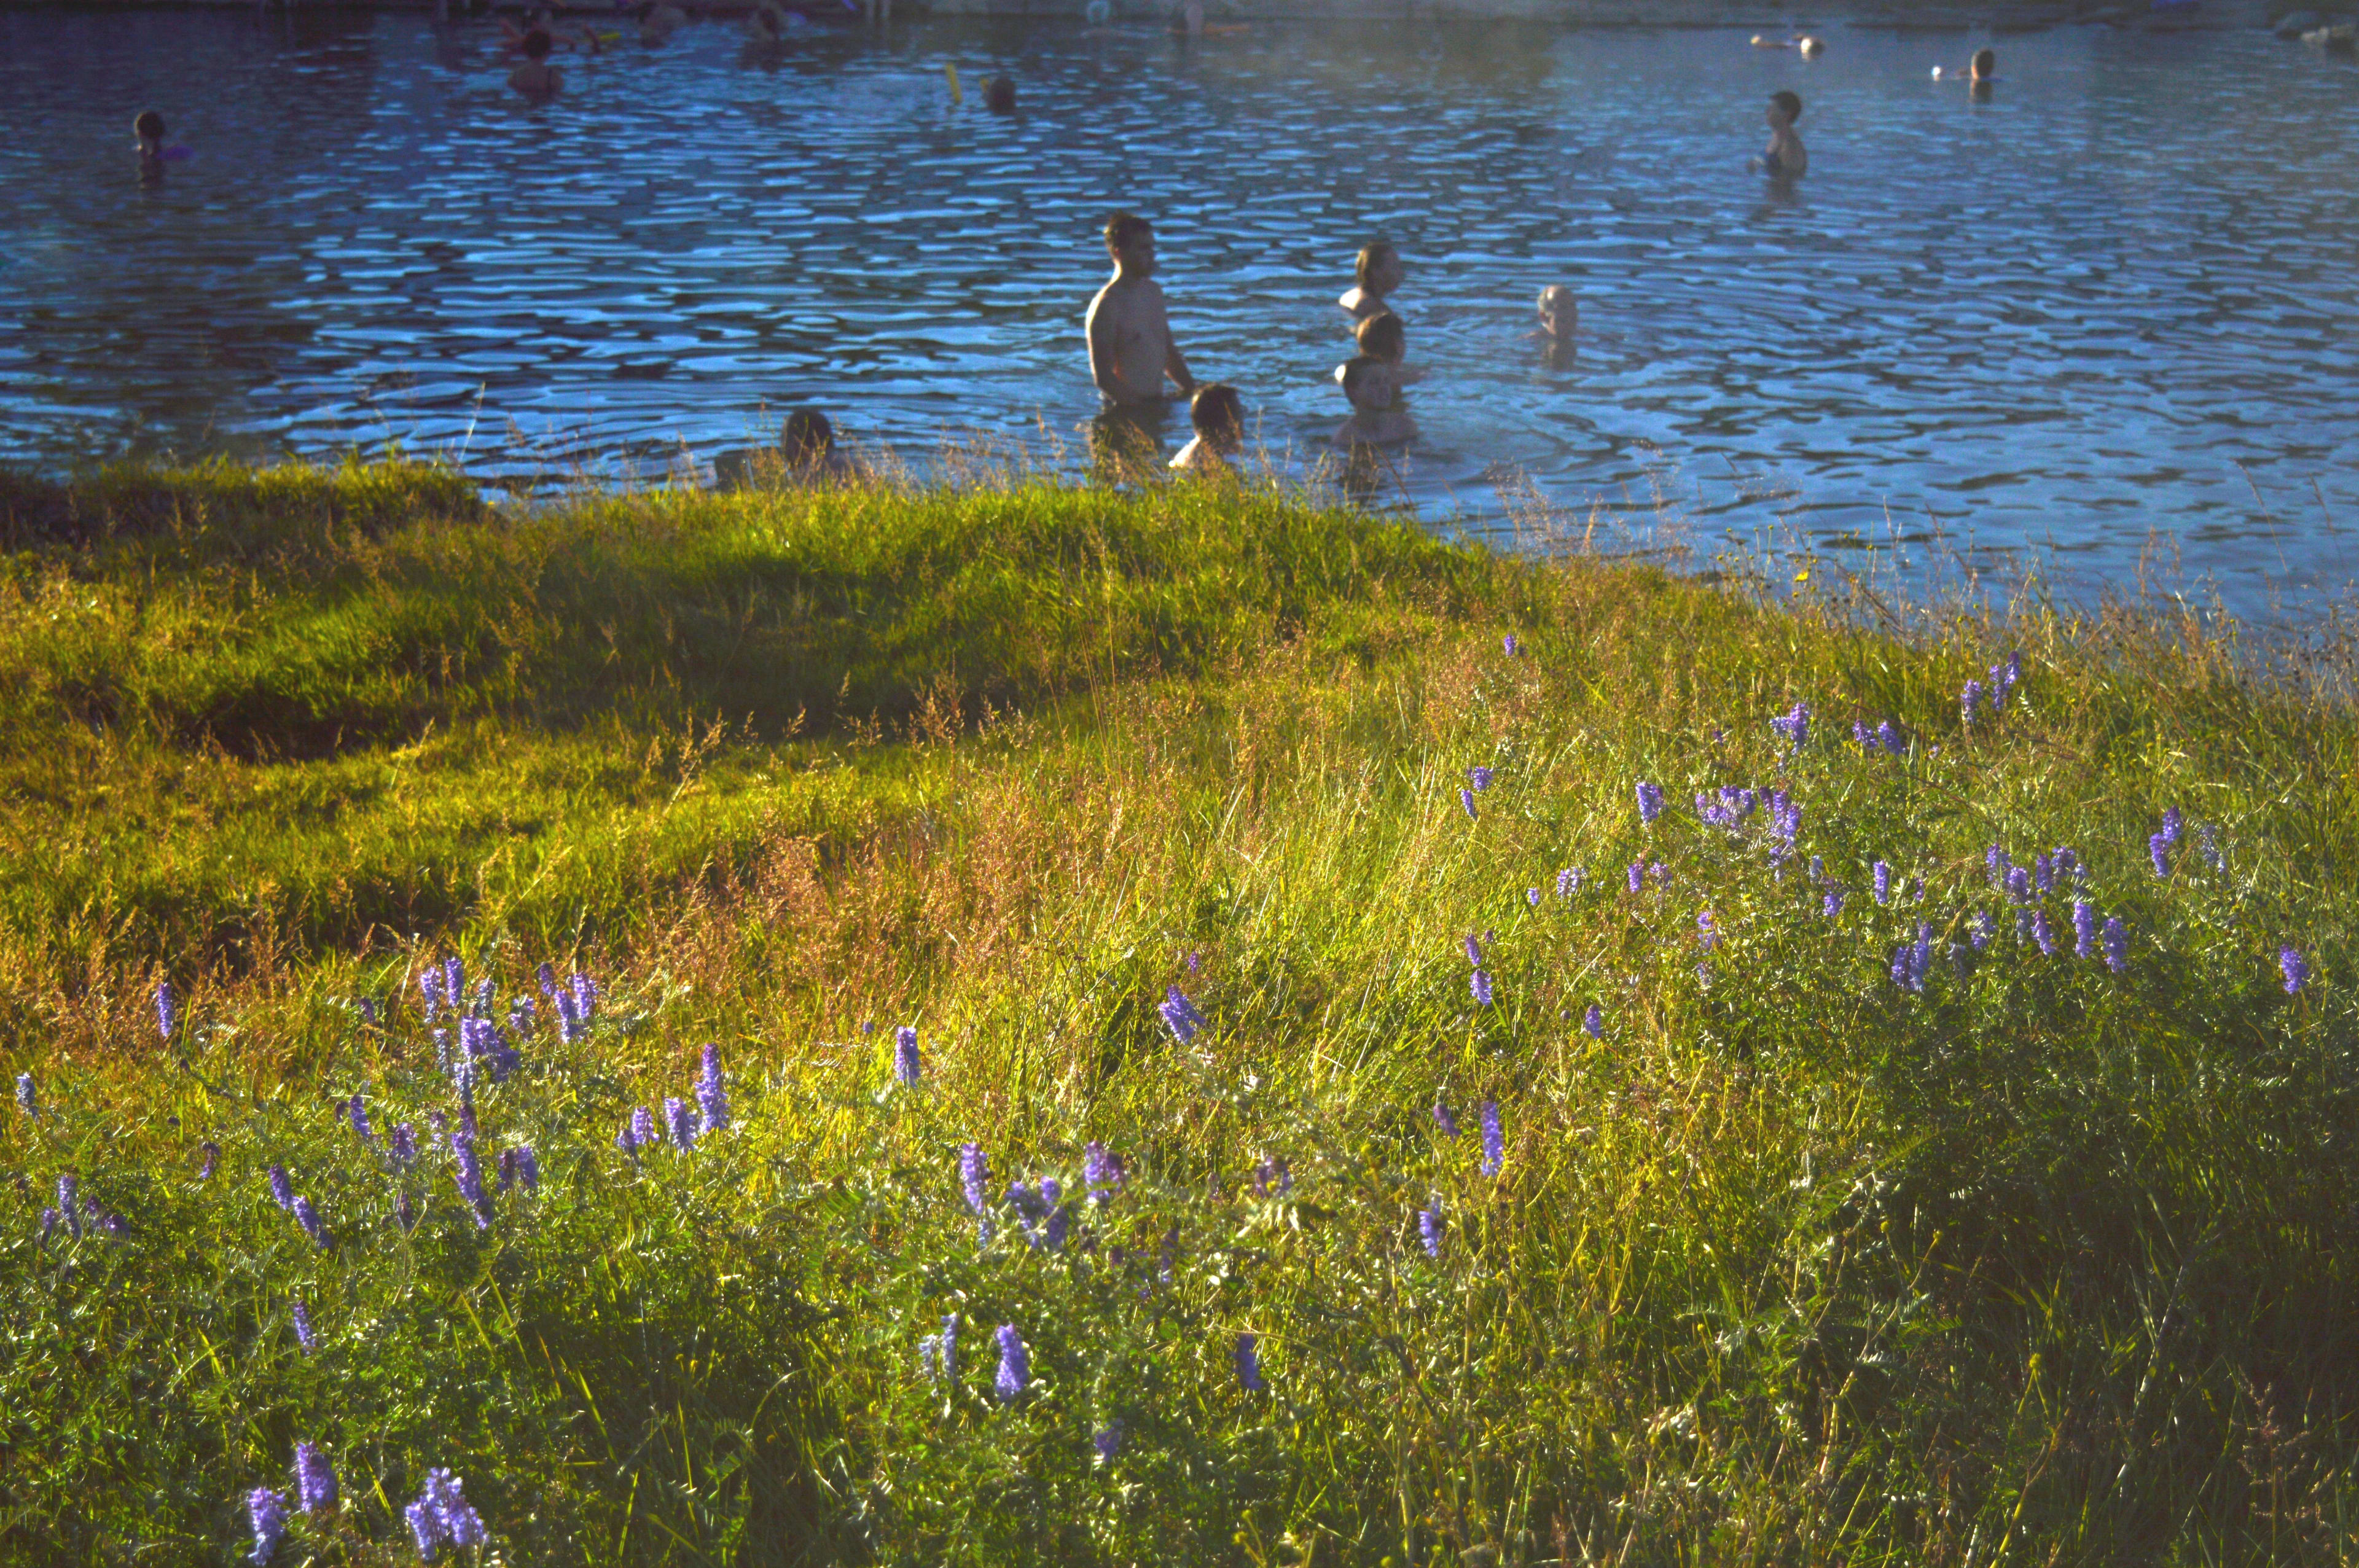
(1819, 1223)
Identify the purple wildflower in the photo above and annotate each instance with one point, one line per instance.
(1984, 929)
(1830, 906)
(1271, 1178)
(907, 1067)
(27, 1100)
(1180, 1015)
(1015, 1365)
(2043, 871)
(1102, 1171)
(1481, 985)
(1883, 883)
(2018, 885)
(1466, 799)
(471, 1177)
(1106, 1440)
(524, 1164)
(2043, 933)
(1730, 810)
(1911, 964)
(1473, 949)
(2173, 824)
(403, 1143)
(442, 1517)
(1706, 931)
(1970, 699)
(2209, 836)
(680, 1118)
(2116, 941)
(168, 1010)
(2158, 850)
(207, 1160)
(1495, 1141)
(1193, 965)
(2067, 864)
(1795, 727)
(1568, 881)
(315, 1478)
(454, 983)
(2003, 677)
(308, 1218)
(429, 988)
(1479, 777)
(1444, 1118)
(49, 1222)
(1511, 645)
(974, 1177)
(1637, 872)
(645, 1133)
(1249, 1363)
(1650, 802)
(301, 1311)
(282, 1189)
(405, 1214)
(266, 1510)
(2084, 929)
(1996, 859)
(1532, 897)
(1594, 1022)
(1785, 824)
(2290, 963)
(1428, 1230)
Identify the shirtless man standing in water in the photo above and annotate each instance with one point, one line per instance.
(1131, 348)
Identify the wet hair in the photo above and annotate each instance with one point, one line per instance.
(149, 126)
(1372, 255)
(808, 438)
(1125, 229)
(999, 95)
(1557, 291)
(1985, 62)
(1788, 104)
(536, 45)
(1382, 337)
(1356, 370)
(1218, 414)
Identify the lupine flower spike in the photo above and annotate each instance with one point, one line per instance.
(681, 1118)
(1249, 1363)
(266, 1512)
(1015, 1365)
(1650, 802)
(1428, 1232)
(302, 1313)
(1512, 646)
(2115, 940)
(1444, 1118)
(1101, 1172)
(1466, 799)
(1593, 1021)
(27, 1100)
(1479, 777)
(1494, 1142)
(1795, 727)
(167, 1010)
(315, 1478)
(1180, 1015)
(905, 1064)
(712, 1095)
(2295, 967)
(1481, 985)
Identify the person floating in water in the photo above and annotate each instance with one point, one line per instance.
(535, 78)
(1787, 158)
(1378, 272)
(1219, 415)
(1131, 349)
(1375, 421)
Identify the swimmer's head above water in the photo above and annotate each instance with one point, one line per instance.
(1559, 312)
(1378, 270)
(1130, 241)
(149, 128)
(1785, 108)
(1367, 383)
(1218, 414)
(537, 44)
(1985, 65)
(808, 441)
(999, 95)
(1383, 339)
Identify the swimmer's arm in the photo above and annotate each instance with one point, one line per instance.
(1175, 366)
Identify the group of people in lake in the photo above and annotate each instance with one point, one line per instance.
(1132, 353)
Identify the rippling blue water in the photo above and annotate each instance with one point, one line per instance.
(2108, 311)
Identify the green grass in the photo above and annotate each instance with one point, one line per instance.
(1790, 1264)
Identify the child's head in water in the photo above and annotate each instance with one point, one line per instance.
(149, 128)
(1219, 415)
(1367, 383)
(1559, 312)
(537, 44)
(999, 95)
(1381, 338)
(1378, 270)
(1785, 108)
(1985, 65)
(809, 441)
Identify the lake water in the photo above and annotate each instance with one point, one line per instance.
(2106, 314)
